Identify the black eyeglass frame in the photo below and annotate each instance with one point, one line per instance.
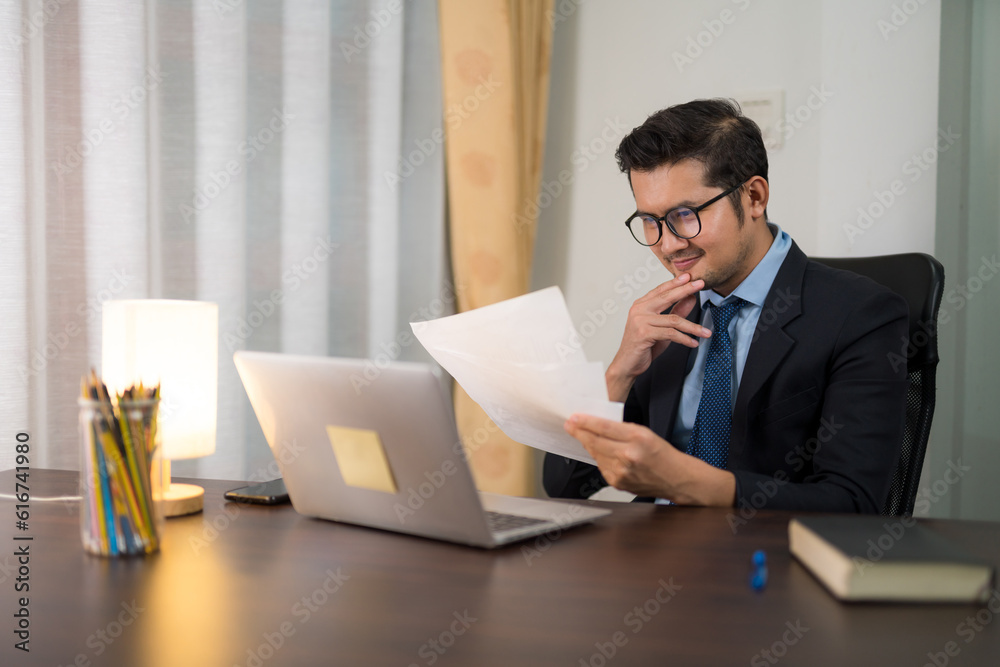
(663, 221)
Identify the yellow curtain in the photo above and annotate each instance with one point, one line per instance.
(495, 66)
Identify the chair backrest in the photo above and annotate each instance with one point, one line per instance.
(919, 279)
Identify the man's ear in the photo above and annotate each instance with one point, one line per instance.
(758, 191)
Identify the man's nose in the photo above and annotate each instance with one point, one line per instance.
(670, 243)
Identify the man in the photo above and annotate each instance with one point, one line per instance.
(790, 402)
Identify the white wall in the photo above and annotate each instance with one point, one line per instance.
(614, 64)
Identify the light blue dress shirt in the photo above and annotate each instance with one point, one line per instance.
(753, 290)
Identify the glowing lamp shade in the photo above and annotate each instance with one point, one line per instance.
(175, 344)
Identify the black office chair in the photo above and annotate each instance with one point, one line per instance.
(919, 279)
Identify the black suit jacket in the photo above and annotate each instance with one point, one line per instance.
(818, 418)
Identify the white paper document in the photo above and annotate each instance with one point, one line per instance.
(523, 362)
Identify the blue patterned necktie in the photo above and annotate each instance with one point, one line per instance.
(710, 435)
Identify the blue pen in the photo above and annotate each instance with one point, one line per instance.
(758, 580)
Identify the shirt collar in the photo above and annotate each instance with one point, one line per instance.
(755, 286)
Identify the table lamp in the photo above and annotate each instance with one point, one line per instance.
(175, 344)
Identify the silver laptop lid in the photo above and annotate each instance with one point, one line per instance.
(326, 424)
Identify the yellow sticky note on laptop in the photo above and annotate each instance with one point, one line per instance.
(361, 458)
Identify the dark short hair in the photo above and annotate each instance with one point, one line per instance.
(714, 132)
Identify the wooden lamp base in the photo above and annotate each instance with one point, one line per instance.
(183, 499)
(175, 499)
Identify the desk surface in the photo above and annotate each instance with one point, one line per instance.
(260, 586)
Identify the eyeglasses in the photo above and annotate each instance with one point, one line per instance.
(683, 221)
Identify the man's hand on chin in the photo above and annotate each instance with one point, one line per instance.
(633, 458)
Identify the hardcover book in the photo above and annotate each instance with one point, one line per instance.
(878, 558)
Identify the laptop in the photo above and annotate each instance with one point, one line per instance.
(380, 449)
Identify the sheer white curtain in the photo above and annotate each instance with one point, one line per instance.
(260, 155)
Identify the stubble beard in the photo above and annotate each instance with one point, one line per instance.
(720, 276)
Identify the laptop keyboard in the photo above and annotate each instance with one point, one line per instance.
(500, 522)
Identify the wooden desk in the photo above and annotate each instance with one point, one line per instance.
(236, 576)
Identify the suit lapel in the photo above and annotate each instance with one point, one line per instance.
(771, 344)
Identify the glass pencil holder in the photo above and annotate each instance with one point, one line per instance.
(120, 509)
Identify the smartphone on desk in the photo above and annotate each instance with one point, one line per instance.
(265, 493)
